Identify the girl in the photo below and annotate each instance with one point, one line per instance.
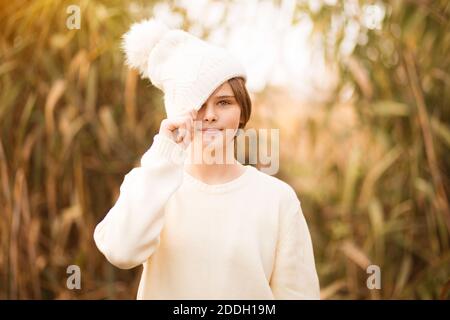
(203, 230)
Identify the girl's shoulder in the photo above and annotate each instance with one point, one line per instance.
(272, 186)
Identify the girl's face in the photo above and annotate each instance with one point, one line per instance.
(219, 117)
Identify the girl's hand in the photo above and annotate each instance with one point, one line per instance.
(179, 129)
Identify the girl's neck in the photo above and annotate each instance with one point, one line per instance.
(215, 173)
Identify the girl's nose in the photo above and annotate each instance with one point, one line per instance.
(210, 114)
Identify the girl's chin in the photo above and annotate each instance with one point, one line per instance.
(209, 136)
(213, 137)
(210, 140)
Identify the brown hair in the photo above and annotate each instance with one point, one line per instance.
(243, 99)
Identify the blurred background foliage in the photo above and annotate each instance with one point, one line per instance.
(370, 162)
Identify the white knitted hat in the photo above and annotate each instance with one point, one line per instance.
(186, 68)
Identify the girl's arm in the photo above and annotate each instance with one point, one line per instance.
(130, 232)
(294, 275)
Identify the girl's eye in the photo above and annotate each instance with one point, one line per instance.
(224, 102)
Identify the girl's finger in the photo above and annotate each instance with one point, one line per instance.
(175, 123)
(181, 132)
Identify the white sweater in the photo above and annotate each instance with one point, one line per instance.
(243, 239)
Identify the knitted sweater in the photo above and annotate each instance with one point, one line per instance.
(243, 239)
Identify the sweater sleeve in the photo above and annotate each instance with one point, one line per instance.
(294, 275)
(130, 232)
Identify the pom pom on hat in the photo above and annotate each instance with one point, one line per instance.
(139, 41)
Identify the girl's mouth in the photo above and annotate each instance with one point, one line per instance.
(211, 130)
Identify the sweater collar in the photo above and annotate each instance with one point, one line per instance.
(221, 187)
